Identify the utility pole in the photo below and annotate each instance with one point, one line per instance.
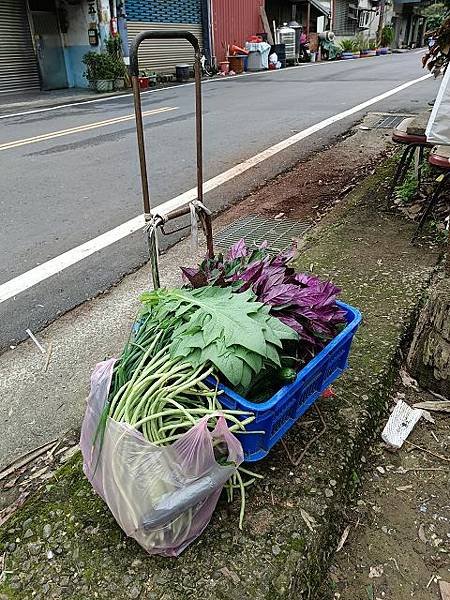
(381, 21)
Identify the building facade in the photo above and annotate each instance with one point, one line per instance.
(409, 24)
(42, 42)
(350, 18)
(163, 55)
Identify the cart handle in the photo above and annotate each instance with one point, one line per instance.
(134, 71)
(157, 35)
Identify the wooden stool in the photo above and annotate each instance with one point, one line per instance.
(439, 157)
(415, 140)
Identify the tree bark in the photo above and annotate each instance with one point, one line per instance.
(429, 356)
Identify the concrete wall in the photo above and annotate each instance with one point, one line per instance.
(76, 41)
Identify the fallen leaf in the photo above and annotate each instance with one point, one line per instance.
(10, 483)
(421, 534)
(376, 571)
(439, 406)
(408, 381)
(343, 539)
(309, 520)
(230, 574)
(427, 416)
(403, 488)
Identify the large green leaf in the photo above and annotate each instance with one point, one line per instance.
(254, 361)
(232, 331)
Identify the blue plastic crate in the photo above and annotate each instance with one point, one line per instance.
(279, 413)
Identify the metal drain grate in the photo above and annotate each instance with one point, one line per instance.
(256, 229)
(389, 121)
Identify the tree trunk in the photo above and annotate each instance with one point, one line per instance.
(429, 356)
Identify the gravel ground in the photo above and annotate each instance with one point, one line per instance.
(398, 544)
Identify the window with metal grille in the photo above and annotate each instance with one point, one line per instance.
(344, 18)
(365, 18)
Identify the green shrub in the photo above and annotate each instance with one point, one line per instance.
(435, 14)
(387, 36)
(348, 45)
(361, 42)
(99, 66)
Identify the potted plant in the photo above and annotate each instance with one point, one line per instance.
(119, 74)
(347, 47)
(100, 71)
(386, 38)
(357, 46)
(372, 47)
(363, 45)
(114, 49)
(150, 76)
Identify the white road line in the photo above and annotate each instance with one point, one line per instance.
(30, 278)
(80, 128)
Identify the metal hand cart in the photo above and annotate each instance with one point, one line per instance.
(155, 220)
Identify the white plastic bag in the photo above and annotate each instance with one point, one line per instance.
(162, 496)
(438, 126)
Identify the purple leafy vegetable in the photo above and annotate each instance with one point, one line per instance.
(300, 300)
(238, 250)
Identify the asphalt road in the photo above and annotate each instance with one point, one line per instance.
(59, 189)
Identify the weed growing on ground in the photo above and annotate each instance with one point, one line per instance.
(405, 192)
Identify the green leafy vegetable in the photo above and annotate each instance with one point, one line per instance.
(233, 332)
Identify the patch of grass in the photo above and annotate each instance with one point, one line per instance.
(407, 190)
(439, 232)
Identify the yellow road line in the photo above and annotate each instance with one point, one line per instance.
(81, 128)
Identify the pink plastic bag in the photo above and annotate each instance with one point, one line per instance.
(162, 496)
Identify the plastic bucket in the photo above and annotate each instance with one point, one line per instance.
(182, 73)
(224, 67)
(236, 64)
(143, 83)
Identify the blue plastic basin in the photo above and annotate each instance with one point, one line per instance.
(281, 411)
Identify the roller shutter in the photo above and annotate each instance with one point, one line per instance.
(18, 65)
(163, 55)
